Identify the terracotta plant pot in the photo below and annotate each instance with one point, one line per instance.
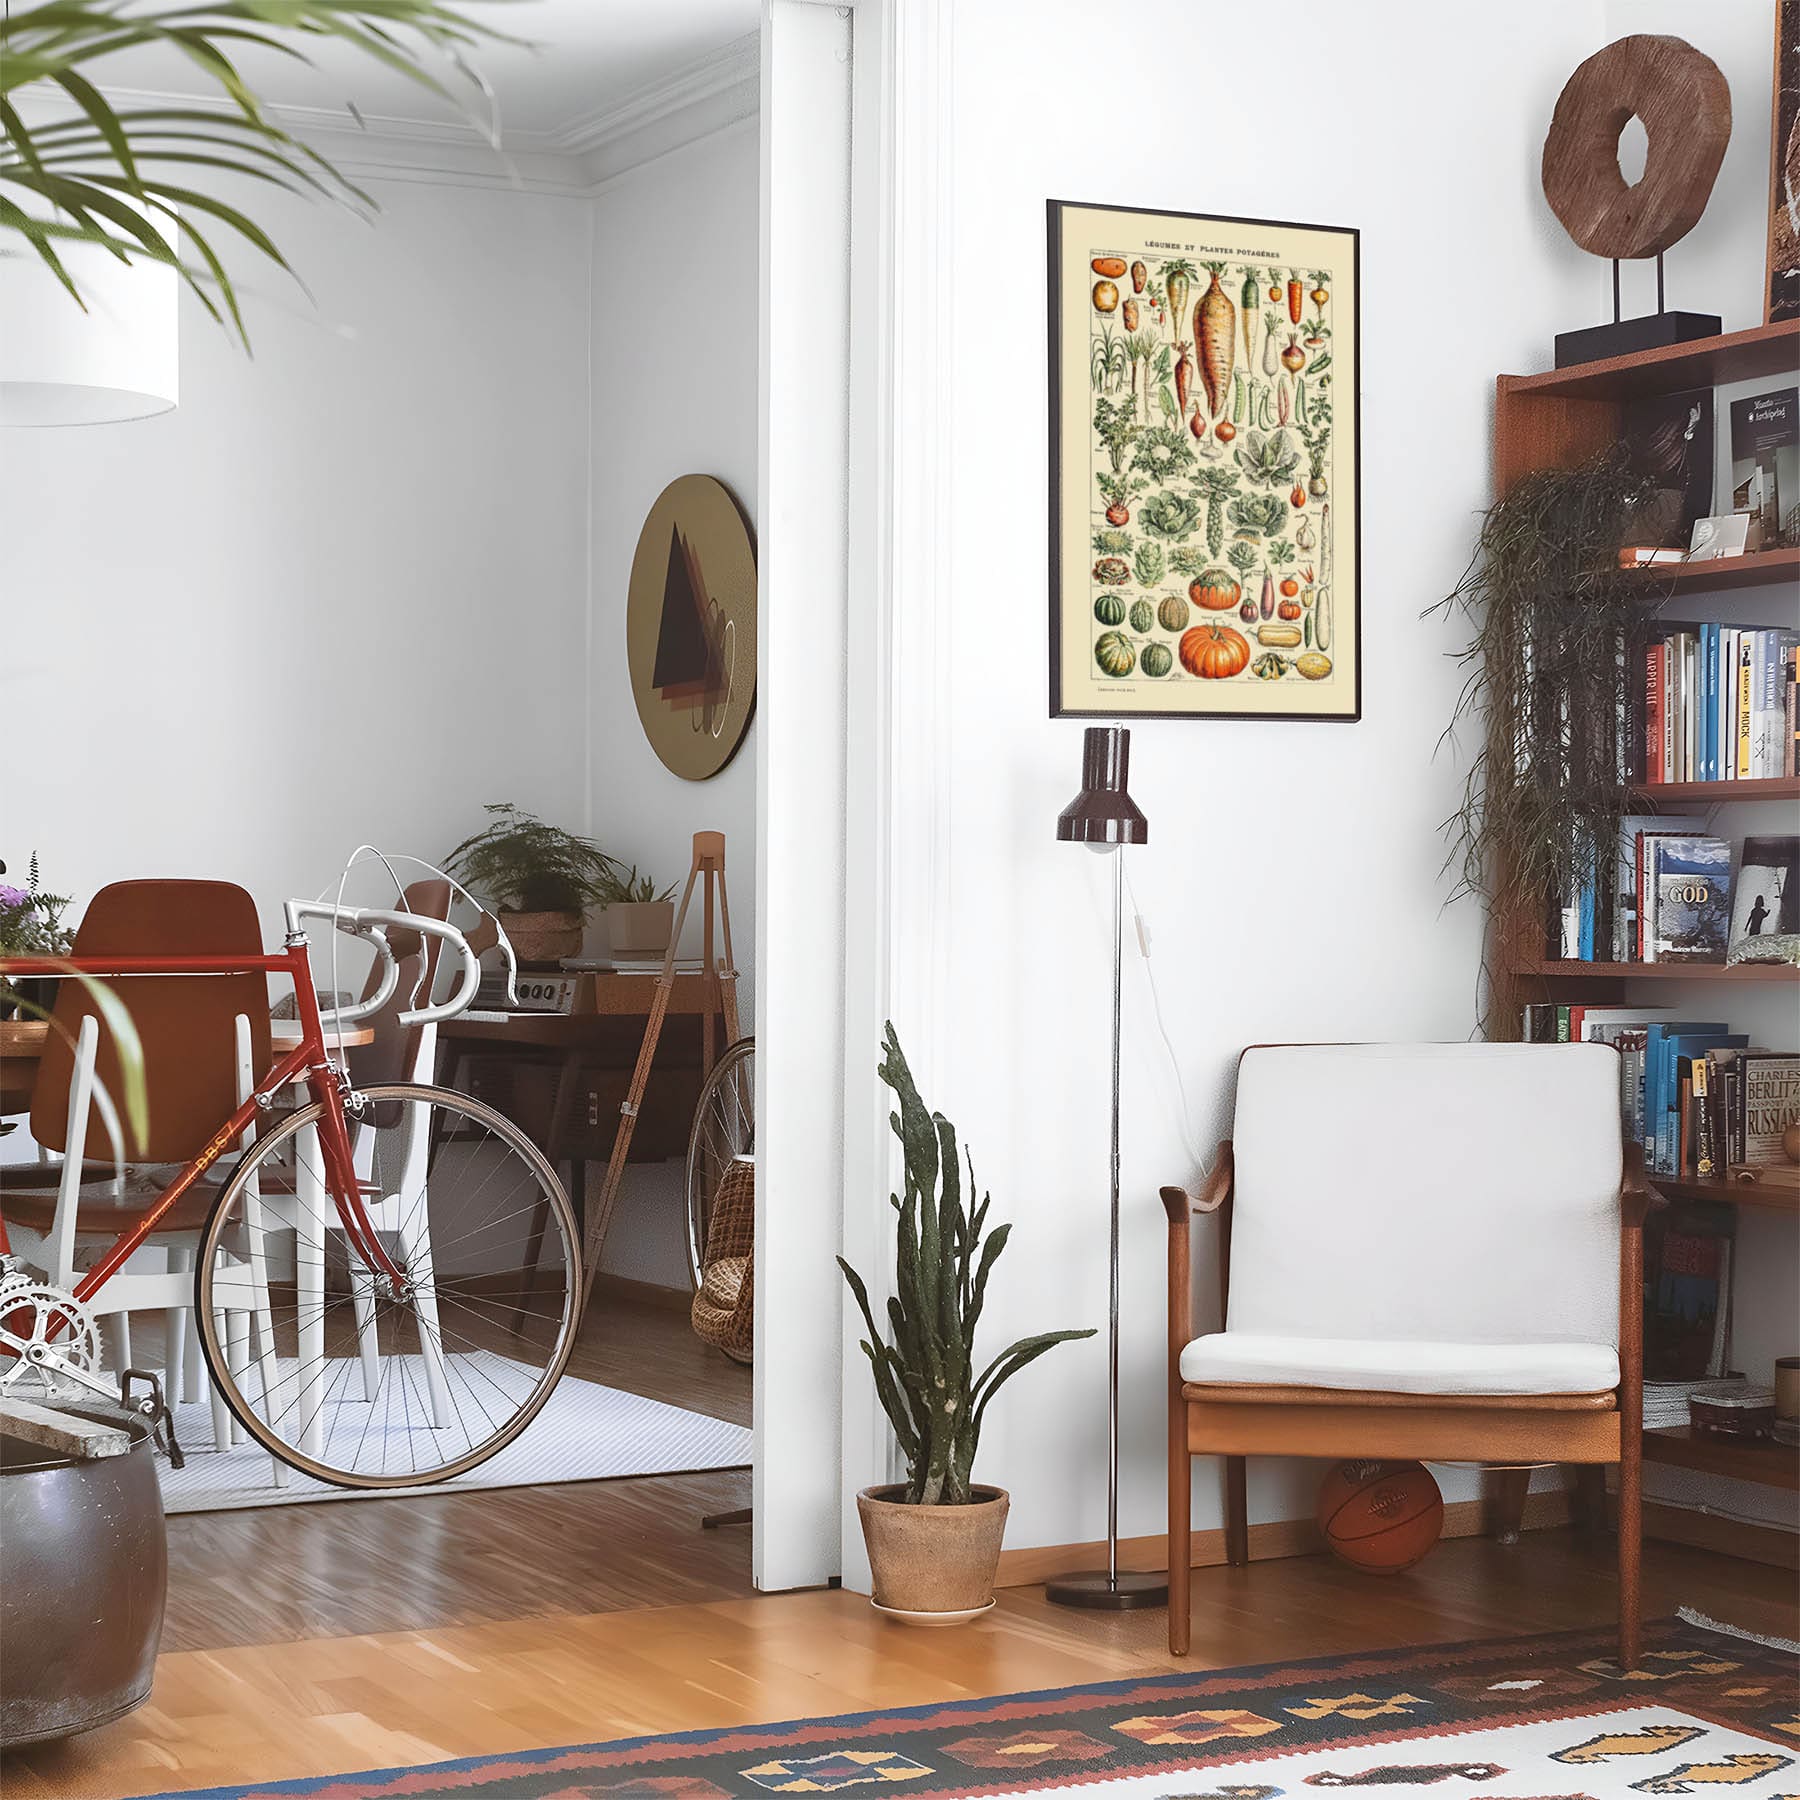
(639, 928)
(933, 1564)
(541, 940)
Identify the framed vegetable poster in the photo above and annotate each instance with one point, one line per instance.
(1203, 467)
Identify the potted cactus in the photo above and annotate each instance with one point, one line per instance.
(934, 1539)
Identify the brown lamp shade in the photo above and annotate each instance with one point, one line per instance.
(1103, 812)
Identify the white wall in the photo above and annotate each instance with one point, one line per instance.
(674, 348)
(377, 528)
(1292, 881)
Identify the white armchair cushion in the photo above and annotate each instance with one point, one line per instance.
(1437, 1195)
(1413, 1367)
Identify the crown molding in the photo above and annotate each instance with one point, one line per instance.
(722, 74)
(708, 95)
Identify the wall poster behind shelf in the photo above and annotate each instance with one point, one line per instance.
(1783, 301)
(1204, 482)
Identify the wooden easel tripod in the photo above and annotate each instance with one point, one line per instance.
(720, 978)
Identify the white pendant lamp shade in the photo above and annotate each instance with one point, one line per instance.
(120, 359)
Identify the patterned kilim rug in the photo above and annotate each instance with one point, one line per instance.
(1544, 1718)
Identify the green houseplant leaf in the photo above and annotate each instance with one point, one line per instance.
(123, 179)
(924, 1368)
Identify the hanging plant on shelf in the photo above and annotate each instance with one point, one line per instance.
(1549, 682)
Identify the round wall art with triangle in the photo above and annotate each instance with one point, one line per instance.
(690, 626)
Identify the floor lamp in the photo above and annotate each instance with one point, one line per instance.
(1104, 817)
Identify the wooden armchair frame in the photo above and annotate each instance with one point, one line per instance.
(1237, 1420)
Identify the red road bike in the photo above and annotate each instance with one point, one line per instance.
(388, 1279)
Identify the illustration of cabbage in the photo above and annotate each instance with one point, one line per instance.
(1169, 515)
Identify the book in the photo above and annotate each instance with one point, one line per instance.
(1765, 460)
(1687, 1302)
(1669, 438)
(1633, 827)
(1768, 1103)
(1766, 897)
(1770, 651)
(1688, 882)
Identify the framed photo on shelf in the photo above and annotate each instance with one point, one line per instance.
(1783, 297)
(1204, 478)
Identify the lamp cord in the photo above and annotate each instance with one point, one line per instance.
(1184, 1112)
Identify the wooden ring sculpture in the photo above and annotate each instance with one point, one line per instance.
(1685, 105)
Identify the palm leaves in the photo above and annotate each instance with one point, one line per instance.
(925, 1375)
(125, 180)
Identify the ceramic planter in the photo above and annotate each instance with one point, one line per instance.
(933, 1565)
(542, 939)
(640, 928)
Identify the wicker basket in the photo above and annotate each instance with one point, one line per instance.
(722, 1312)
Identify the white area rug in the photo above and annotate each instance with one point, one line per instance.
(586, 1432)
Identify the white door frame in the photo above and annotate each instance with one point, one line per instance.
(852, 859)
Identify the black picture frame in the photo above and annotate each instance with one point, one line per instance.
(1121, 696)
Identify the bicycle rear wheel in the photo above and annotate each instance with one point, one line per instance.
(724, 1127)
(337, 1370)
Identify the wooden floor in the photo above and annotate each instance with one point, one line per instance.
(336, 1704)
(331, 1569)
(315, 1640)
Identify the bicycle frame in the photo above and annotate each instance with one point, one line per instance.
(308, 1060)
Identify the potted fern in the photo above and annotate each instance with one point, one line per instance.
(542, 878)
(934, 1539)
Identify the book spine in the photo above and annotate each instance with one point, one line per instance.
(1790, 750)
(1742, 756)
(1653, 715)
(1725, 750)
(1709, 700)
(1684, 1124)
(1562, 1024)
(1705, 1163)
(1668, 708)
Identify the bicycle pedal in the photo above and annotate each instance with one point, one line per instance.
(156, 1409)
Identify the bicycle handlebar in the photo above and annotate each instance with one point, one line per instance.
(373, 925)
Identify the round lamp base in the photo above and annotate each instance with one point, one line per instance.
(1099, 1592)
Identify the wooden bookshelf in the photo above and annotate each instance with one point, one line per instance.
(1763, 350)
(1765, 1197)
(1743, 1459)
(1757, 568)
(1712, 793)
(1551, 970)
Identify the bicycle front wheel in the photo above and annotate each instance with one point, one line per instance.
(358, 1379)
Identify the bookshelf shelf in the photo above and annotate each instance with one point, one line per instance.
(1769, 1198)
(1764, 350)
(1758, 568)
(1758, 1460)
(1777, 787)
(1656, 971)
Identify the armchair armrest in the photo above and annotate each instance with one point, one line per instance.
(1180, 1205)
(1636, 1196)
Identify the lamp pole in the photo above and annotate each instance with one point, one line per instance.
(1105, 818)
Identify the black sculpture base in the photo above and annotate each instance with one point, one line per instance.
(1126, 1592)
(1624, 337)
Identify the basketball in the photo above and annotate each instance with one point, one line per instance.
(1380, 1517)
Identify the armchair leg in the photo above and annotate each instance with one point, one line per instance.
(1507, 1502)
(1590, 1499)
(1630, 1548)
(1181, 1548)
(1237, 1513)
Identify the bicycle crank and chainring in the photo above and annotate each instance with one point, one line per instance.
(47, 1339)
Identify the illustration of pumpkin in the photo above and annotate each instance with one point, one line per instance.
(1172, 615)
(1289, 609)
(1109, 609)
(1143, 615)
(1214, 590)
(1114, 654)
(1159, 659)
(1213, 652)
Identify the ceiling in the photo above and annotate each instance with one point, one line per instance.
(583, 61)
